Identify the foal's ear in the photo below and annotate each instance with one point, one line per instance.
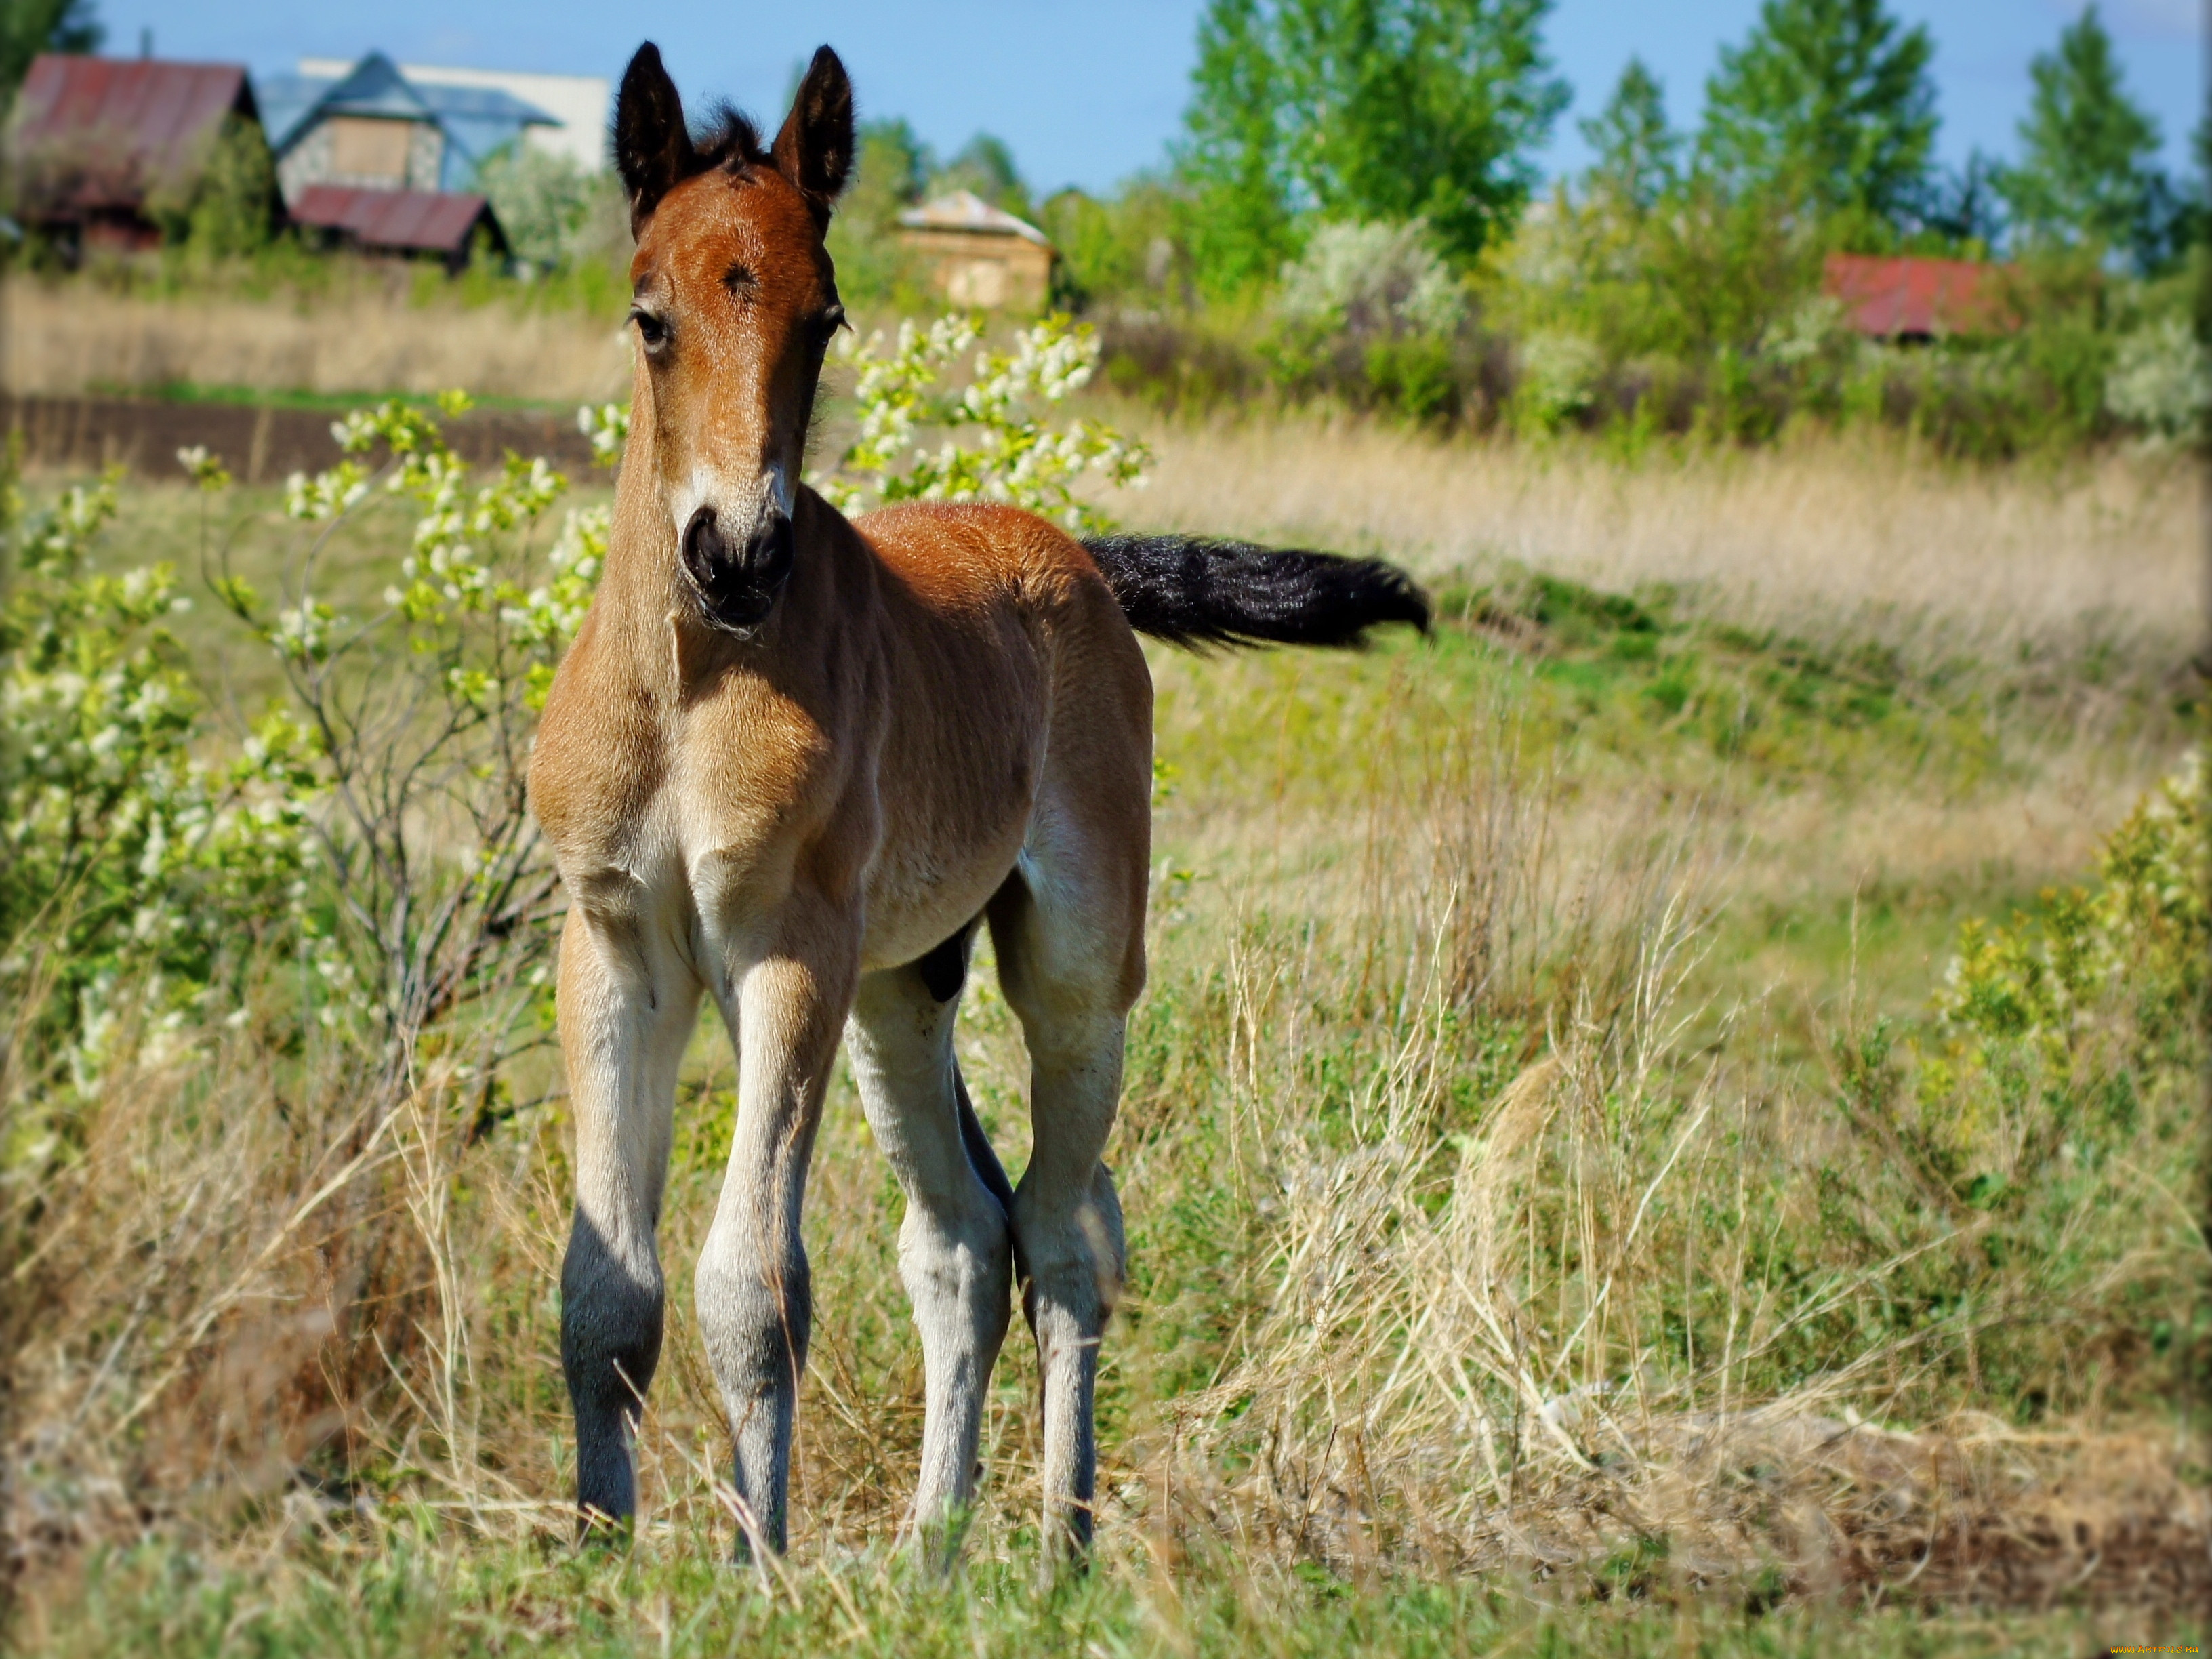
(815, 149)
(652, 147)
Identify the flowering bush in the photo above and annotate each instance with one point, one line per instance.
(422, 716)
(1371, 280)
(2161, 379)
(128, 859)
(1015, 457)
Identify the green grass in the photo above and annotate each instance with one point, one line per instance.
(415, 1595)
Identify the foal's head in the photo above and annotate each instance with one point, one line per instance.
(734, 302)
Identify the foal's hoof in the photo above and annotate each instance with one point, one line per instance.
(596, 1529)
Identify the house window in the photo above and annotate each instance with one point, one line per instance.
(369, 150)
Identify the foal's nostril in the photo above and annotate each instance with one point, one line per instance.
(767, 555)
(736, 581)
(704, 548)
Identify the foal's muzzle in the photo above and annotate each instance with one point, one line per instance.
(737, 583)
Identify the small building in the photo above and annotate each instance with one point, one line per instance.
(372, 128)
(979, 255)
(98, 141)
(570, 114)
(1911, 298)
(449, 226)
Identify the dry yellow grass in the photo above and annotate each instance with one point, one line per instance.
(1857, 531)
(63, 339)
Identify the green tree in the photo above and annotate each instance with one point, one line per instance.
(1829, 100)
(28, 27)
(893, 166)
(545, 200)
(1418, 109)
(985, 166)
(1370, 110)
(1635, 148)
(1230, 160)
(2086, 176)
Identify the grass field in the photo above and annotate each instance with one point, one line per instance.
(1553, 1227)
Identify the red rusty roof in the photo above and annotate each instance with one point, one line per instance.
(122, 120)
(424, 220)
(1891, 298)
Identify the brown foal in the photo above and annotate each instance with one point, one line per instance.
(788, 764)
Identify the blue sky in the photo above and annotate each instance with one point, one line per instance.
(1087, 91)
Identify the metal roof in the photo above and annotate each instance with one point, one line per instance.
(964, 211)
(137, 115)
(411, 221)
(1892, 298)
(477, 119)
(374, 87)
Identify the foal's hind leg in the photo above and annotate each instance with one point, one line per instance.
(1069, 934)
(955, 1251)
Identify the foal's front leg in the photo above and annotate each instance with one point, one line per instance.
(626, 1006)
(755, 1303)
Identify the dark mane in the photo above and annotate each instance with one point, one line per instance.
(729, 139)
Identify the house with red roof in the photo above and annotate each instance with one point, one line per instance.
(360, 160)
(1910, 298)
(99, 141)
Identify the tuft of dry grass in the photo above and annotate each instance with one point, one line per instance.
(64, 338)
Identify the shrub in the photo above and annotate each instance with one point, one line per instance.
(1016, 458)
(2160, 382)
(140, 878)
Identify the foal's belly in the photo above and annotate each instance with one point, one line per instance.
(924, 888)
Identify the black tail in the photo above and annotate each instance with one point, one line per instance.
(1195, 593)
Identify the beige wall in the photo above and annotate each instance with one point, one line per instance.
(363, 153)
(988, 270)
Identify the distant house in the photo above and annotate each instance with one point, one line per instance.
(979, 255)
(577, 107)
(1912, 299)
(447, 225)
(99, 141)
(372, 128)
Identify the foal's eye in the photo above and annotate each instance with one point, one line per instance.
(825, 326)
(651, 329)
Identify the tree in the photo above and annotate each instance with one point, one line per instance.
(1230, 160)
(893, 166)
(986, 167)
(1635, 148)
(1418, 109)
(2086, 175)
(1373, 110)
(28, 27)
(1829, 100)
(1964, 205)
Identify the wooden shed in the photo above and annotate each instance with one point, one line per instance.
(979, 255)
(96, 138)
(445, 225)
(1913, 298)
